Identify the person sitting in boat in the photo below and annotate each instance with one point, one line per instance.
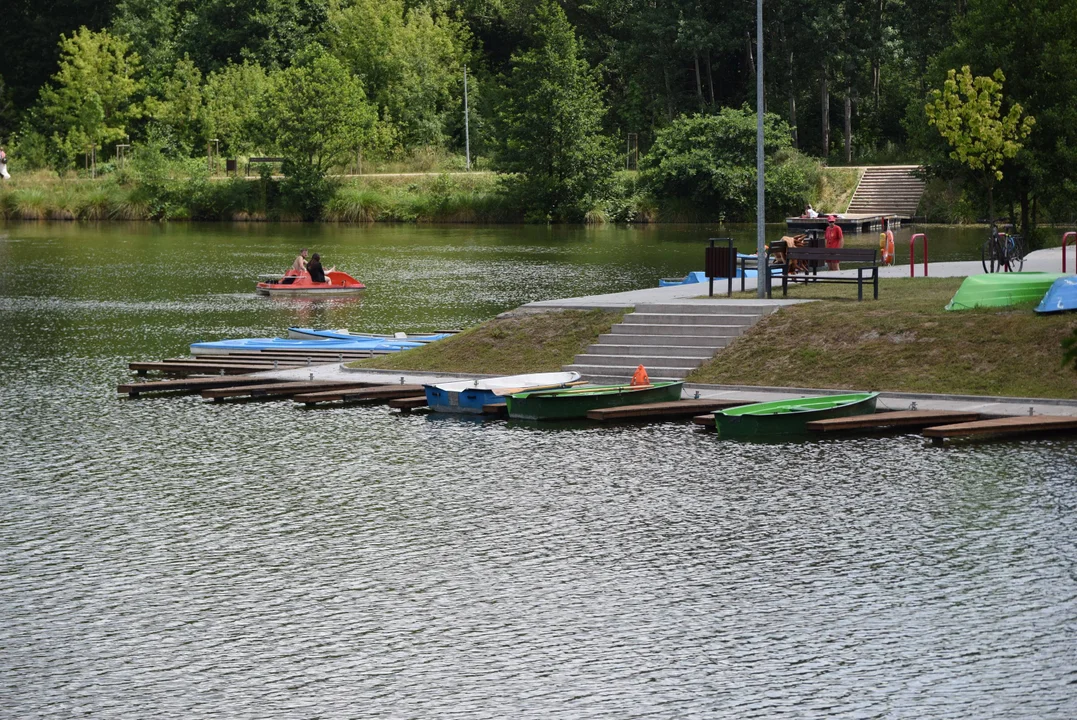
(314, 268)
(300, 264)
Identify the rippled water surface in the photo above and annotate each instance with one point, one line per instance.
(172, 558)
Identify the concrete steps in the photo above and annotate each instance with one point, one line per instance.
(669, 340)
(887, 190)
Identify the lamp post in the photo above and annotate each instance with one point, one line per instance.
(762, 273)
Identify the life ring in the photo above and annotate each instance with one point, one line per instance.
(886, 247)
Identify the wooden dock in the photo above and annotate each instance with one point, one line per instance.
(281, 389)
(661, 410)
(898, 419)
(375, 392)
(407, 404)
(1018, 425)
(188, 385)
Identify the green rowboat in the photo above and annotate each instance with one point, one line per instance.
(1002, 289)
(571, 403)
(789, 417)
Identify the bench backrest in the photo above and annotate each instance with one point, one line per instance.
(867, 255)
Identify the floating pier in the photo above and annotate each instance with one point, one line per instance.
(853, 224)
(897, 419)
(407, 404)
(188, 385)
(375, 392)
(279, 388)
(1018, 425)
(662, 410)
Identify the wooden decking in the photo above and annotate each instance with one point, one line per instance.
(661, 410)
(1007, 426)
(902, 419)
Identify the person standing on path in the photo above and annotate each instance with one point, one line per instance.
(834, 239)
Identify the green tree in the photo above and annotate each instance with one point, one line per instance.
(91, 99)
(179, 109)
(315, 113)
(967, 112)
(550, 124)
(711, 160)
(409, 60)
(231, 97)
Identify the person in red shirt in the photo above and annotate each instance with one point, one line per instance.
(834, 239)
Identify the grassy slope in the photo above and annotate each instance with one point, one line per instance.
(903, 342)
(540, 342)
(836, 188)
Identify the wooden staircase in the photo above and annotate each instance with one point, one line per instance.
(887, 190)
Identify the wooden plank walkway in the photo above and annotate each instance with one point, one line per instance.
(706, 420)
(279, 388)
(900, 418)
(406, 404)
(675, 408)
(376, 392)
(1018, 425)
(188, 368)
(190, 385)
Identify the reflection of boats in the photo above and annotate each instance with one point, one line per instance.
(468, 396)
(568, 403)
(788, 417)
(1001, 289)
(220, 347)
(299, 333)
(337, 283)
(1062, 295)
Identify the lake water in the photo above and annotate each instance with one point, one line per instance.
(175, 558)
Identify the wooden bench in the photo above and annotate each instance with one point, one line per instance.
(261, 160)
(814, 256)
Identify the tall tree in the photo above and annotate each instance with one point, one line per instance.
(550, 124)
(91, 99)
(968, 113)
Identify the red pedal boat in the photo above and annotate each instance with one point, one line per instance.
(291, 284)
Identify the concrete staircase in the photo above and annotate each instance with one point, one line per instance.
(669, 340)
(887, 190)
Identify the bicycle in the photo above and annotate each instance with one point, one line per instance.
(1002, 250)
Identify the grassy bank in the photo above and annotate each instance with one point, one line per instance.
(526, 343)
(903, 342)
(173, 191)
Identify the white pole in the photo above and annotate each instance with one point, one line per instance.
(467, 133)
(762, 271)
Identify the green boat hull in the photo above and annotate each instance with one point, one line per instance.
(789, 417)
(1002, 289)
(575, 403)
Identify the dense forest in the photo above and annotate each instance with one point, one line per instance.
(562, 96)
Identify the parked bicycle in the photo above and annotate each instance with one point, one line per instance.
(1003, 251)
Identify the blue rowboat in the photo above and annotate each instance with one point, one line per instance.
(298, 333)
(469, 396)
(222, 347)
(1061, 296)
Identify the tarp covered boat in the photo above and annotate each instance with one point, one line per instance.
(221, 347)
(789, 417)
(336, 283)
(298, 333)
(469, 396)
(571, 403)
(1001, 289)
(1061, 296)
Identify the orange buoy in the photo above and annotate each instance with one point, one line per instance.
(886, 247)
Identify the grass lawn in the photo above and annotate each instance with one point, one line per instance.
(905, 341)
(526, 343)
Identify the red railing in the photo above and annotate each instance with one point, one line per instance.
(912, 250)
(1065, 239)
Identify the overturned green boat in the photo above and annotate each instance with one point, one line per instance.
(789, 417)
(1002, 289)
(573, 403)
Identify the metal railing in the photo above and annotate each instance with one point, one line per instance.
(912, 254)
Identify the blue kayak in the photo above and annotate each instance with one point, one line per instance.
(220, 347)
(1061, 296)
